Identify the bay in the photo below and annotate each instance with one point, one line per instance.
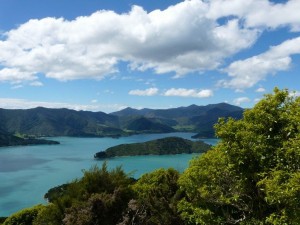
(28, 172)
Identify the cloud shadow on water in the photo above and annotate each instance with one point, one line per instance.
(13, 164)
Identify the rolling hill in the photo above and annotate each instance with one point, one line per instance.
(7, 139)
(163, 146)
(59, 122)
(193, 118)
(39, 122)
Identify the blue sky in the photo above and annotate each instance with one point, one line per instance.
(110, 54)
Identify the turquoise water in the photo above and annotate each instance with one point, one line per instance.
(27, 173)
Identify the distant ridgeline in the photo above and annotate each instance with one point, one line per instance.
(164, 146)
(40, 122)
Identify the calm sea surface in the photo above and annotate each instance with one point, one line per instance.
(27, 173)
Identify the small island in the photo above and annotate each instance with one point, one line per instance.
(164, 146)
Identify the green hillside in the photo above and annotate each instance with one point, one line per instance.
(145, 125)
(59, 122)
(40, 122)
(7, 139)
(164, 146)
(193, 118)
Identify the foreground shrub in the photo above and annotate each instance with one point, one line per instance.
(24, 217)
(253, 175)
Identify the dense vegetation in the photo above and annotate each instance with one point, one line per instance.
(199, 119)
(7, 139)
(252, 177)
(2, 219)
(59, 122)
(41, 121)
(163, 146)
(145, 125)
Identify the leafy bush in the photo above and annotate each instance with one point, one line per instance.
(156, 199)
(24, 217)
(99, 197)
(253, 175)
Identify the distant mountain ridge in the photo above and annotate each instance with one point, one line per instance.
(41, 121)
(58, 122)
(192, 118)
(190, 111)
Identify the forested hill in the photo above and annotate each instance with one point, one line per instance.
(59, 122)
(146, 125)
(188, 111)
(163, 146)
(41, 121)
(7, 139)
(193, 118)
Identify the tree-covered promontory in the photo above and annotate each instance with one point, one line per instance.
(7, 139)
(251, 177)
(163, 146)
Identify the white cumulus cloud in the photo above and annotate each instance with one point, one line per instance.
(36, 84)
(186, 37)
(246, 73)
(179, 39)
(15, 75)
(16, 103)
(146, 92)
(261, 89)
(241, 100)
(258, 13)
(182, 92)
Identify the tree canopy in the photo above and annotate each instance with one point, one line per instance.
(163, 146)
(252, 176)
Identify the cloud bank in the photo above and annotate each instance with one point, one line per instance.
(16, 103)
(241, 100)
(147, 92)
(179, 39)
(246, 73)
(182, 92)
(184, 38)
(178, 92)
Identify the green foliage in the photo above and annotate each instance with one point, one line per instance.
(59, 122)
(101, 208)
(211, 188)
(39, 122)
(99, 197)
(7, 139)
(156, 199)
(143, 124)
(52, 214)
(252, 176)
(56, 192)
(24, 217)
(164, 146)
(193, 118)
(2, 219)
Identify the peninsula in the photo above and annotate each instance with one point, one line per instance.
(163, 146)
(7, 139)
